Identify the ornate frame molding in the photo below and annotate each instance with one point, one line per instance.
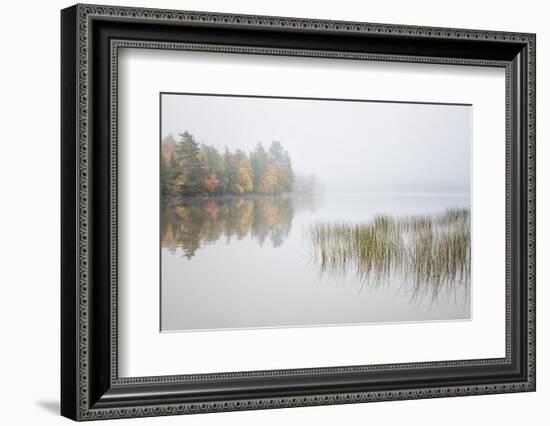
(80, 18)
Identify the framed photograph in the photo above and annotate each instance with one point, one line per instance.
(263, 212)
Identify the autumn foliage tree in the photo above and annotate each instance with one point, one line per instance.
(189, 168)
(211, 183)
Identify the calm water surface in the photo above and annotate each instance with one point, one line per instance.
(248, 262)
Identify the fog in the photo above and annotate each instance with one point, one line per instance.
(349, 146)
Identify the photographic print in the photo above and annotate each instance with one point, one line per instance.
(298, 212)
(346, 208)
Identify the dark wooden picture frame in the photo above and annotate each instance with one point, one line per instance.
(90, 38)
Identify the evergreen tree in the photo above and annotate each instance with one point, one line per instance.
(276, 153)
(259, 161)
(173, 170)
(287, 174)
(191, 167)
(281, 160)
(231, 181)
(168, 173)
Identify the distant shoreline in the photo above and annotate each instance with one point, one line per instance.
(293, 194)
(235, 196)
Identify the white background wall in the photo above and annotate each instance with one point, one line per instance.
(29, 225)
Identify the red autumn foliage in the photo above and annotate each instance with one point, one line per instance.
(210, 183)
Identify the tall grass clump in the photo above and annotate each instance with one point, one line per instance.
(430, 251)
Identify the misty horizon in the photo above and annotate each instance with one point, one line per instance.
(350, 147)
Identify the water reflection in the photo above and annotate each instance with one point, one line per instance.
(189, 223)
(340, 259)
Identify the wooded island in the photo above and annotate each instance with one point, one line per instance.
(190, 169)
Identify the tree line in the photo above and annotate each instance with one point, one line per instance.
(190, 168)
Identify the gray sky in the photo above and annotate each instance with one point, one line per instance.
(349, 146)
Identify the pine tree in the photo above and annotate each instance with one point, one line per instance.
(231, 181)
(279, 158)
(287, 174)
(259, 161)
(191, 167)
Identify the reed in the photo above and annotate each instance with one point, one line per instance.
(430, 251)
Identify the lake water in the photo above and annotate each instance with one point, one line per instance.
(249, 262)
